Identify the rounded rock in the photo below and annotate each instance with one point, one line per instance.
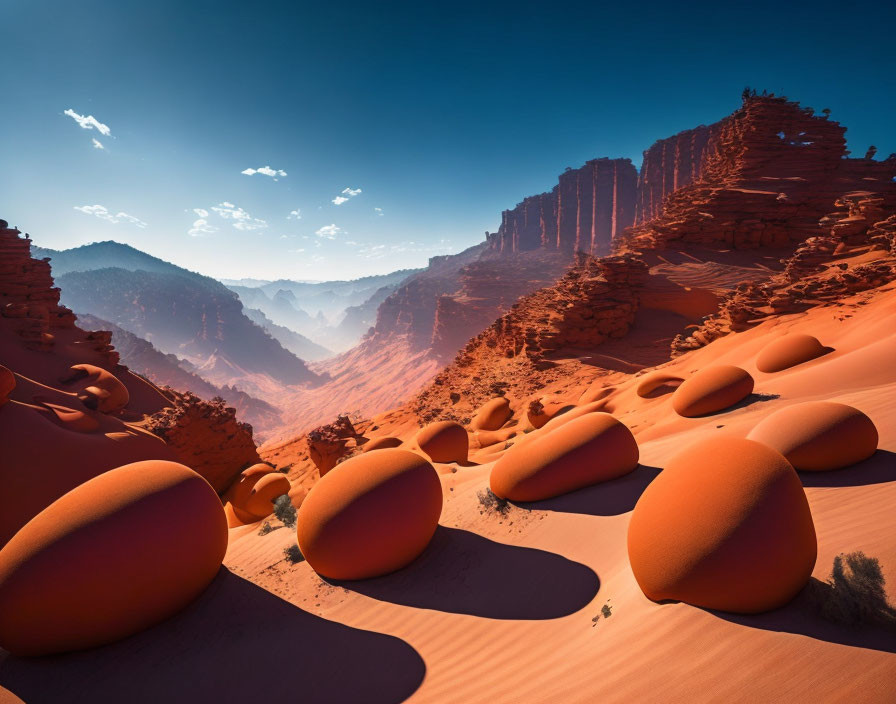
(112, 557)
(381, 443)
(444, 441)
(492, 414)
(725, 525)
(788, 351)
(587, 450)
(818, 436)
(712, 389)
(260, 501)
(370, 515)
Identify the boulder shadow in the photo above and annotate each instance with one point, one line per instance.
(236, 642)
(880, 468)
(610, 498)
(743, 403)
(464, 573)
(802, 617)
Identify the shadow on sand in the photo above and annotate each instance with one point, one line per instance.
(237, 642)
(465, 573)
(877, 469)
(610, 498)
(802, 617)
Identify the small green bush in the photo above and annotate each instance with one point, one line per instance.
(492, 503)
(285, 511)
(293, 554)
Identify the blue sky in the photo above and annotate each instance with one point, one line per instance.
(440, 115)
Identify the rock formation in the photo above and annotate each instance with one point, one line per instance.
(206, 436)
(585, 212)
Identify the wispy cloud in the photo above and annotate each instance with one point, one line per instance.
(89, 122)
(201, 227)
(201, 212)
(379, 251)
(378, 211)
(294, 214)
(97, 144)
(329, 231)
(346, 194)
(103, 213)
(265, 171)
(242, 219)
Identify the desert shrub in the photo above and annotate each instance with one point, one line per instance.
(285, 511)
(293, 554)
(492, 503)
(854, 593)
(265, 528)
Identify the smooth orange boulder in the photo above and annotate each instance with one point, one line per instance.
(788, 351)
(598, 391)
(492, 414)
(590, 449)
(239, 491)
(818, 435)
(540, 413)
(576, 412)
(726, 525)
(445, 441)
(115, 555)
(381, 443)
(7, 384)
(487, 438)
(260, 501)
(97, 388)
(654, 380)
(712, 389)
(370, 515)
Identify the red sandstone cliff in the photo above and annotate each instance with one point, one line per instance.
(585, 212)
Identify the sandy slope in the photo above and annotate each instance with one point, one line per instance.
(500, 609)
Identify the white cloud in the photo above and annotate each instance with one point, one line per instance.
(242, 219)
(329, 231)
(296, 251)
(97, 144)
(201, 227)
(346, 194)
(89, 122)
(381, 250)
(378, 211)
(103, 213)
(294, 214)
(265, 171)
(201, 212)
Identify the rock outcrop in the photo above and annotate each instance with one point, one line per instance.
(206, 436)
(767, 174)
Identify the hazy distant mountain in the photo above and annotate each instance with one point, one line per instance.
(298, 344)
(334, 314)
(178, 311)
(167, 370)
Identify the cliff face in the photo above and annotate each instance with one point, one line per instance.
(585, 212)
(767, 174)
(670, 164)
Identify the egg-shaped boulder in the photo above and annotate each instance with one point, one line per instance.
(113, 556)
(382, 443)
(444, 441)
(240, 490)
(712, 389)
(370, 515)
(487, 438)
(592, 448)
(571, 414)
(788, 351)
(817, 436)
(260, 502)
(725, 525)
(7, 384)
(98, 388)
(654, 381)
(492, 414)
(542, 411)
